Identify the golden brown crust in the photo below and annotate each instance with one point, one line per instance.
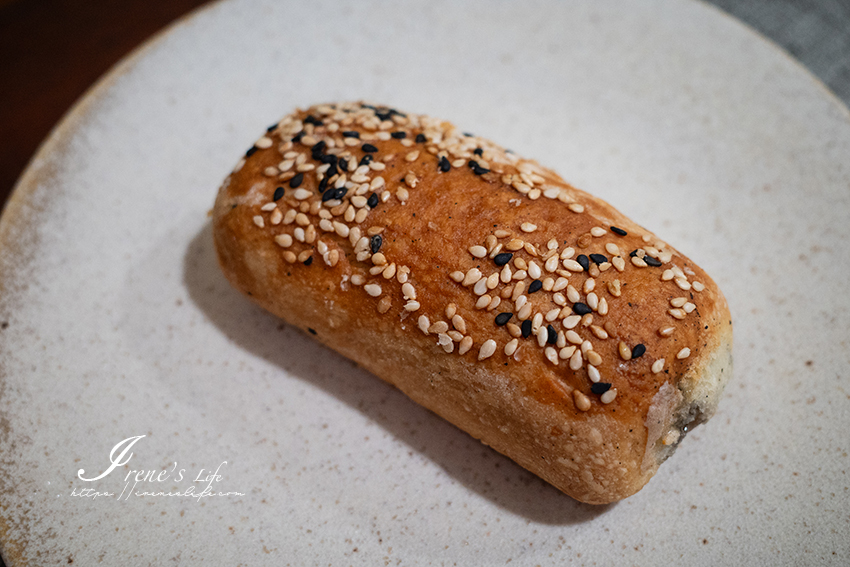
(393, 273)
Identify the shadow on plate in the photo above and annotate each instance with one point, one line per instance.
(485, 472)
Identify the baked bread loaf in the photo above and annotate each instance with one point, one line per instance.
(530, 314)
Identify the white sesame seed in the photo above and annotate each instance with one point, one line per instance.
(511, 347)
(638, 261)
(487, 349)
(683, 284)
(268, 207)
(599, 332)
(478, 251)
(677, 313)
(424, 323)
(528, 227)
(589, 285)
(667, 275)
(619, 263)
(534, 270)
(576, 360)
(678, 301)
(480, 287)
(593, 301)
(494, 303)
(542, 336)
(506, 274)
(658, 366)
(684, 353)
(457, 276)
(566, 352)
(263, 143)
(483, 301)
(471, 277)
(552, 263)
(576, 207)
(258, 220)
(551, 355)
(459, 324)
(560, 284)
(593, 373)
(603, 307)
(697, 286)
(572, 265)
(301, 194)
(572, 294)
(465, 345)
(439, 327)
(276, 217)
(552, 314)
(666, 331)
(608, 396)
(571, 322)
(612, 249)
(389, 271)
(598, 231)
(573, 337)
(446, 342)
(373, 289)
(298, 233)
(411, 306)
(408, 291)
(567, 253)
(283, 240)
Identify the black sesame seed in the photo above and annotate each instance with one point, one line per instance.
(600, 388)
(351, 134)
(329, 194)
(340, 193)
(251, 151)
(399, 135)
(369, 106)
(323, 184)
(327, 158)
(503, 258)
(278, 193)
(619, 231)
(375, 243)
(476, 168)
(343, 164)
(420, 138)
(551, 335)
(580, 308)
(312, 331)
(583, 261)
(369, 148)
(526, 328)
(598, 258)
(272, 127)
(444, 164)
(308, 261)
(478, 151)
(536, 285)
(365, 160)
(633, 253)
(654, 262)
(469, 135)
(503, 318)
(372, 201)
(638, 351)
(331, 171)
(296, 181)
(297, 138)
(313, 120)
(384, 115)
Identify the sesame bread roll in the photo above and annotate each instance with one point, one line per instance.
(530, 314)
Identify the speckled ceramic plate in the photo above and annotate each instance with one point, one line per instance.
(151, 415)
